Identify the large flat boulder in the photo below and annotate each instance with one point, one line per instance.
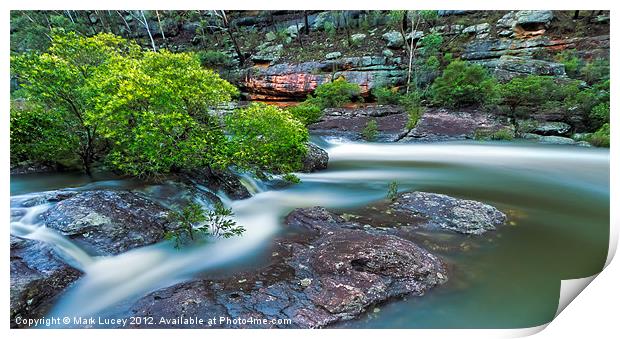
(109, 222)
(332, 271)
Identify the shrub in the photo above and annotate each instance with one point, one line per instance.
(370, 131)
(336, 93)
(412, 102)
(192, 219)
(291, 178)
(600, 113)
(213, 59)
(385, 95)
(596, 70)
(600, 138)
(39, 135)
(266, 138)
(306, 112)
(572, 63)
(463, 84)
(392, 192)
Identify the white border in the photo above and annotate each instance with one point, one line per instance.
(592, 313)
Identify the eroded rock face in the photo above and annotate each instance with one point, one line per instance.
(296, 81)
(443, 124)
(38, 276)
(509, 67)
(108, 222)
(334, 272)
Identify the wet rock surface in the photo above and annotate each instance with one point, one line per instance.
(350, 121)
(108, 222)
(334, 271)
(38, 276)
(443, 124)
(315, 160)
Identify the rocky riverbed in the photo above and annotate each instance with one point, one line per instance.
(324, 269)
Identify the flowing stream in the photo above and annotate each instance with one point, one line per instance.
(556, 197)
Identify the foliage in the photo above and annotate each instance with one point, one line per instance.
(307, 112)
(522, 95)
(595, 71)
(571, 61)
(266, 138)
(392, 192)
(592, 103)
(463, 84)
(501, 134)
(37, 134)
(601, 138)
(214, 59)
(412, 102)
(385, 96)
(600, 113)
(336, 93)
(370, 131)
(291, 178)
(157, 117)
(60, 81)
(191, 219)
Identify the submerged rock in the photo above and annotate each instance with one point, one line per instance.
(440, 211)
(38, 276)
(315, 160)
(108, 222)
(332, 272)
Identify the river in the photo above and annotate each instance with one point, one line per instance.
(556, 197)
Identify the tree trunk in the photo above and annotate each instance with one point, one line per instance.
(161, 29)
(307, 26)
(148, 30)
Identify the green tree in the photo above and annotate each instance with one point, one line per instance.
(266, 138)
(463, 84)
(156, 116)
(59, 80)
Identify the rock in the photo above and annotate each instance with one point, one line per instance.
(293, 30)
(315, 160)
(333, 272)
(489, 50)
(551, 139)
(394, 39)
(320, 19)
(217, 180)
(348, 123)
(268, 53)
(454, 12)
(415, 35)
(445, 212)
(270, 36)
(28, 167)
(443, 124)
(509, 67)
(387, 53)
(552, 128)
(508, 21)
(292, 81)
(333, 55)
(38, 277)
(108, 222)
(532, 19)
(477, 29)
(358, 38)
